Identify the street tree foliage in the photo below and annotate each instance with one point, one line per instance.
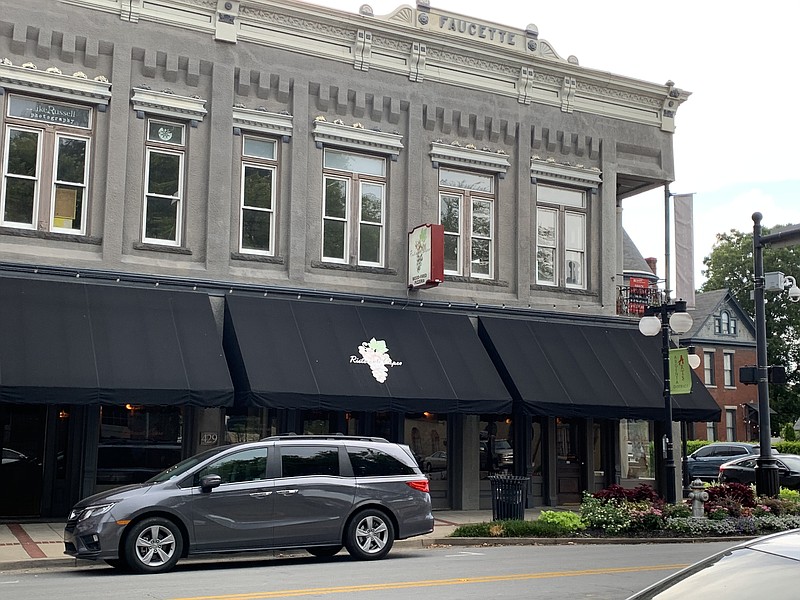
(730, 265)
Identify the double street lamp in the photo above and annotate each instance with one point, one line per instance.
(665, 318)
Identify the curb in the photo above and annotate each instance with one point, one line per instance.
(60, 563)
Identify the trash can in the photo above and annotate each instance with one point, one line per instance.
(509, 493)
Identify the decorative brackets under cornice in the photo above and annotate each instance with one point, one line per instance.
(549, 171)
(357, 138)
(54, 84)
(471, 158)
(262, 121)
(167, 104)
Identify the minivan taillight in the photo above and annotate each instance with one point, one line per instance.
(421, 485)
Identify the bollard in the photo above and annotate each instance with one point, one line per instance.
(698, 496)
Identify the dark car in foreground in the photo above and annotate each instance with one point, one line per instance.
(320, 493)
(704, 462)
(766, 567)
(743, 470)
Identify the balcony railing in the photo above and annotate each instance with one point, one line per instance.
(632, 301)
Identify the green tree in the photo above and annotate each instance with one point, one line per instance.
(730, 265)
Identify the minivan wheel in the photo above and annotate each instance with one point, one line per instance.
(153, 545)
(324, 551)
(370, 535)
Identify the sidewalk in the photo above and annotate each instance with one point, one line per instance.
(36, 545)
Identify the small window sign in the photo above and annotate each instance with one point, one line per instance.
(49, 112)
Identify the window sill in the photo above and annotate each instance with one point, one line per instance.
(48, 235)
(318, 264)
(561, 289)
(260, 258)
(475, 280)
(160, 248)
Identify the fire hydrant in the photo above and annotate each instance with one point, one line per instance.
(698, 496)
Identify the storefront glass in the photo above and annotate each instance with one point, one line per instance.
(636, 441)
(249, 424)
(137, 442)
(496, 444)
(537, 449)
(22, 446)
(426, 435)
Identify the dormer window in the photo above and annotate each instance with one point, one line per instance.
(724, 324)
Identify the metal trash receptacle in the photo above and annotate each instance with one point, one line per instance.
(509, 493)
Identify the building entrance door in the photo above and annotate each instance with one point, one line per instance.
(569, 462)
(22, 437)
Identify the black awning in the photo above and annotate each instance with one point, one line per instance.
(587, 370)
(319, 355)
(83, 343)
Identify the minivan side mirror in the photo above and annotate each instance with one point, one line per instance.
(209, 482)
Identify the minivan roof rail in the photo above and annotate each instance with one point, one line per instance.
(329, 436)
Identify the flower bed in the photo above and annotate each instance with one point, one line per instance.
(732, 510)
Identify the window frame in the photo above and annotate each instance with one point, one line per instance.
(728, 379)
(709, 370)
(730, 423)
(561, 248)
(249, 161)
(353, 214)
(167, 149)
(466, 237)
(49, 133)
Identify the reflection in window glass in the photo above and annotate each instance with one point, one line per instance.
(368, 462)
(495, 446)
(537, 448)
(637, 448)
(239, 467)
(466, 181)
(355, 163)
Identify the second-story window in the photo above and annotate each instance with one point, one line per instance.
(353, 208)
(708, 369)
(560, 237)
(727, 366)
(466, 210)
(46, 156)
(257, 217)
(164, 183)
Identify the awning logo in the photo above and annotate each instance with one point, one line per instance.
(375, 354)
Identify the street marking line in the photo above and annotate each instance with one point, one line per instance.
(373, 587)
(31, 547)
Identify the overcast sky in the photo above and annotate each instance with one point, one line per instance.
(737, 138)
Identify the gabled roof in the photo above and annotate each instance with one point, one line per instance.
(711, 303)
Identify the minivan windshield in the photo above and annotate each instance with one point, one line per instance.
(182, 467)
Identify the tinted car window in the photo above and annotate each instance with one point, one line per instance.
(368, 462)
(704, 451)
(299, 461)
(247, 465)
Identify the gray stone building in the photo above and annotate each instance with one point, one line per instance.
(204, 238)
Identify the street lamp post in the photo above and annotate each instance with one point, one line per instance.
(664, 318)
(767, 468)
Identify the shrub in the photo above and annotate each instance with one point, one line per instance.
(676, 510)
(740, 493)
(788, 447)
(641, 493)
(610, 516)
(471, 530)
(566, 521)
(787, 432)
(644, 516)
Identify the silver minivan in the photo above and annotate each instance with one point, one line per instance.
(320, 493)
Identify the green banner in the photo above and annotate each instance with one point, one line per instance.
(680, 373)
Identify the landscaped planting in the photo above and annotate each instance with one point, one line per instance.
(732, 510)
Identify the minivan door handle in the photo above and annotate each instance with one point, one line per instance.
(287, 492)
(260, 494)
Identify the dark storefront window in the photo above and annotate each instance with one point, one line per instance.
(537, 448)
(22, 446)
(426, 435)
(496, 446)
(137, 442)
(249, 425)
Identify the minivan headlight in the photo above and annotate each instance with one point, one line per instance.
(90, 511)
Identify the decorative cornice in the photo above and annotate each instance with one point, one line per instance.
(357, 138)
(553, 172)
(460, 156)
(262, 121)
(51, 83)
(167, 104)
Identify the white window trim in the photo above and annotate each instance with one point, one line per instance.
(469, 159)
(262, 122)
(242, 208)
(473, 236)
(84, 207)
(549, 171)
(561, 211)
(732, 384)
(56, 85)
(460, 235)
(346, 219)
(382, 224)
(355, 138)
(165, 104)
(37, 179)
(179, 197)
